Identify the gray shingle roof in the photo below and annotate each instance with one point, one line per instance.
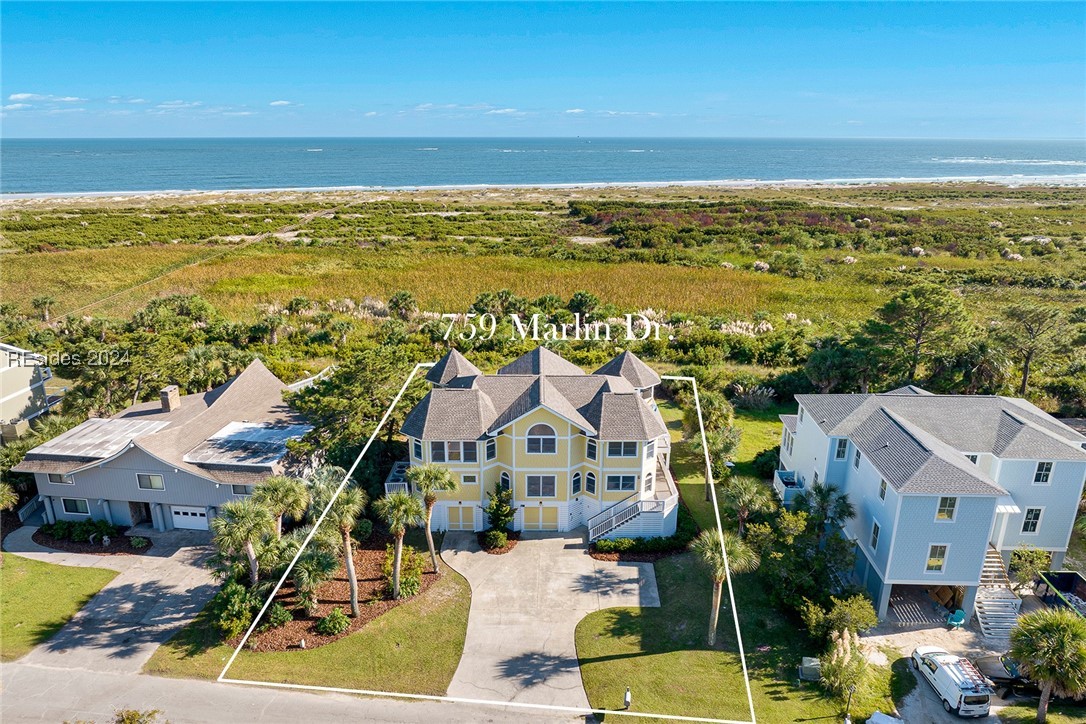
(917, 440)
(632, 369)
(451, 367)
(789, 422)
(255, 396)
(540, 361)
(473, 407)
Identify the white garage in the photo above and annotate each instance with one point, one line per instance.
(191, 518)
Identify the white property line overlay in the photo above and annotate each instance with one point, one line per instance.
(222, 678)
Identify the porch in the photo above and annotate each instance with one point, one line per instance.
(397, 481)
(788, 485)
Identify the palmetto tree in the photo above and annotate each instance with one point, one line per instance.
(239, 527)
(44, 305)
(741, 559)
(1050, 648)
(282, 496)
(313, 569)
(8, 500)
(399, 510)
(431, 479)
(826, 506)
(343, 515)
(746, 496)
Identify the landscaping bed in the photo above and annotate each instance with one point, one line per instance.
(512, 537)
(374, 599)
(648, 550)
(9, 521)
(118, 546)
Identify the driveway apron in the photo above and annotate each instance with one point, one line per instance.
(525, 606)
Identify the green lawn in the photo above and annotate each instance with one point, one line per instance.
(414, 648)
(1026, 713)
(661, 653)
(37, 599)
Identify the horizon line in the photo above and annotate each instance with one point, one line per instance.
(539, 137)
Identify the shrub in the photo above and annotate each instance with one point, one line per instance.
(233, 607)
(854, 614)
(1028, 563)
(686, 529)
(753, 398)
(500, 511)
(134, 716)
(334, 623)
(363, 529)
(277, 616)
(411, 567)
(766, 462)
(139, 542)
(495, 538)
(844, 665)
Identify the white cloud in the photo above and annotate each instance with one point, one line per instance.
(649, 114)
(16, 106)
(173, 107)
(453, 107)
(122, 99)
(280, 103)
(57, 111)
(854, 123)
(575, 110)
(370, 114)
(45, 97)
(502, 112)
(238, 113)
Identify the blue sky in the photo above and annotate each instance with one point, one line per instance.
(946, 70)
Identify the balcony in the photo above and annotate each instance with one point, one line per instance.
(397, 482)
(788, 486)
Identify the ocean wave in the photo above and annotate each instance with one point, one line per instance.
(986, 160)
(426, 149)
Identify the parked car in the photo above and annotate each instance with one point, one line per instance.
(1002, 671)
(961, 687)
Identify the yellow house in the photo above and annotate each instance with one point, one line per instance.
(576, 449)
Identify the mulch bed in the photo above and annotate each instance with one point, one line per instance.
(512, 537)
(633, 557)
(373, 600)
(119, 545)
(9, 521)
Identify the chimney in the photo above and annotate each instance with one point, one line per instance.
(171, 398)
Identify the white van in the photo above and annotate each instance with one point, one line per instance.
(963, 689)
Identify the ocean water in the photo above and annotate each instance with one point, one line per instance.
(64, 166)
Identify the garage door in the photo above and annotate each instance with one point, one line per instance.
(192, 518)
(542, 517)
(461, 517)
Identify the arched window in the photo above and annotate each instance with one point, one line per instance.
(576, 483)
(504, 481)
(541, 439)
(590, 483)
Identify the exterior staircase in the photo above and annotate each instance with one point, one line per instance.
(997, 605)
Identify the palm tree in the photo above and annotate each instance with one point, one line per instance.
(746, 496)
(282, 496)
(43, 304)
(313, 569)
(741, 559)
(343, 514)
(8, 500)
(431, 479)
(1050, 648)
(826, 506)
(399, 510)
(240, 526)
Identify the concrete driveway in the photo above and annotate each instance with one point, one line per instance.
(525, 606)
(153, 596)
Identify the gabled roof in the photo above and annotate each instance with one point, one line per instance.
(540, 361)
(451, 367)
(472, 407)
(632, 369)
(918, 440)
(193, 437)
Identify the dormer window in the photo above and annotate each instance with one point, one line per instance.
(542, 439)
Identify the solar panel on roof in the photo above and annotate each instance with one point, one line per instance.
(258, 444)
(98, 438)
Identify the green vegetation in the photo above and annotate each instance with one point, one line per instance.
(37, 599)
(388, 654)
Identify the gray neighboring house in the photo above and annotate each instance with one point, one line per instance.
(945, 488)
(23, 396)
(169, 463)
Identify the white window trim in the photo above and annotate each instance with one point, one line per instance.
(417, 448)
(841, 452)
(236, 494)
(68, 512)
(592, 445)
(579, 487)
(623, 443)
(152, 475)
(856, 459)
(882, 489)
(1040, 519)
(873, 539)
(938, 505)
(529, 495)
(946, 557)
(595, 483)
(505, 481)
(1037, 469)
(64, 479)
(607, 483)
(491, 449)
(474, 479)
